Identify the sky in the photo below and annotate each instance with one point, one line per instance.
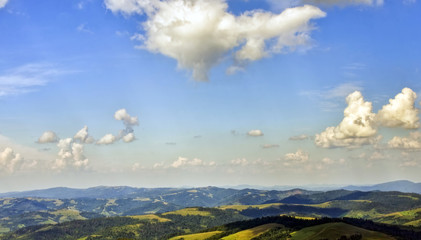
(153, 93)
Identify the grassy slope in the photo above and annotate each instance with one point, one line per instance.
(196, 236)
(335, 231)
(252, 232)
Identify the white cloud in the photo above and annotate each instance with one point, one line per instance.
(70, 154)
(298, 157)
(199, 34)
(401, 111)
(9, 160)
(282, 4)
(182, 161)
(128, 120)
(328, 161)
(48, 137)
(356, 129)
(83, 136)
(126, 134)
(240, 162)
(412, 142)
(411, 163)
(377, 156)
(107, 139)
(129, 137)
(255, 133)
(26, 78)
(3, 3)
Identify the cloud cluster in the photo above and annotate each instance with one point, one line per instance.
(70, 154)
(401, 111)
(200, 33)
(282, 4)
(127, 134)
(413, 142)
(359, 125)
(255, 133)
(48, 137)
(9, 160)
(295, 158)
(3, 3)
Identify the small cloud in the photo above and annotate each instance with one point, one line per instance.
(82, 28)
(83, 136)
(266, 146)
(129, 138)
(239, 162)
(255, 133)
(298, 157)
(328, 161)
(198, 136)
(299, 137)
(48, 137)
(171, 143)
(107, 139)
(283, 4)
(137, 166)
(411, 163)
(195, 162)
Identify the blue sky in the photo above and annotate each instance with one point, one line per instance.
(197, 92)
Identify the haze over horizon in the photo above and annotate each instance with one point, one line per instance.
(169, 93)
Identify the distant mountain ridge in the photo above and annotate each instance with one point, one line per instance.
(107, 192)
(400, 186)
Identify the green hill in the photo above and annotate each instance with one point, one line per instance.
(335, 231)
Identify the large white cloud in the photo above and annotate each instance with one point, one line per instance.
(70, 155)
(200, 33)
(9, 160)
(401, 111)
(357, 127)
(48, 137)
(3, 3)
(412, 142)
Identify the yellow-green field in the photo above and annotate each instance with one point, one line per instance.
(243, 207)
(197, 236)
(252, 232)
(335, 231)
(189, 211)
